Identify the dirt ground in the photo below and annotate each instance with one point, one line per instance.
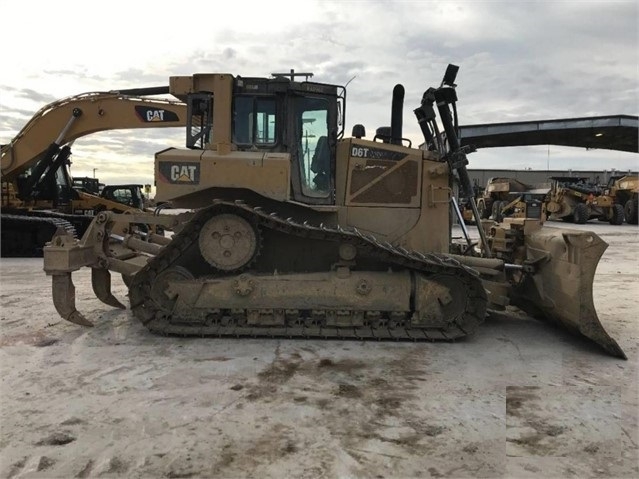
(520, 398)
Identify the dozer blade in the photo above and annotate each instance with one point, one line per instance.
(561, 288)
(101, 282)
(64, 299)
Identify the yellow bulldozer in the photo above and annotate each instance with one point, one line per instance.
(293, 229)
(39, 196)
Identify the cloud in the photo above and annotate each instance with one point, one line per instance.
(518, 61)
(34, 96)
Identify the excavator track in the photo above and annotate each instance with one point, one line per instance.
(161, 314)
(79, 223)
(24, 235)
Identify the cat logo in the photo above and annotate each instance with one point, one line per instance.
(152, 115)
(155, 115)
(182, 173)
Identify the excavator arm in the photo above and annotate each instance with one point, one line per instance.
(63, 121)
(37, 193)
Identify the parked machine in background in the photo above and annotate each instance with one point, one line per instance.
(504, 196)
(575, 199)
(87, 184)
(524, 204)
(625, 191)
(38, 193)
(465, 206)
(131, 195)
(127, 194)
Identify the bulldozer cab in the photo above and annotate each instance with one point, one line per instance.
(281, 142)
(263, 116)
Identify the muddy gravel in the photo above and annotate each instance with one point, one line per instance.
(520, 398)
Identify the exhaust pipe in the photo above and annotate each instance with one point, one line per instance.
(397, 115)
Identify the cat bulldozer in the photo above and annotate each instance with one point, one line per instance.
(39, 196)
(288, 228)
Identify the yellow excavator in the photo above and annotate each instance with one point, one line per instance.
(292, 229)
(38, 193)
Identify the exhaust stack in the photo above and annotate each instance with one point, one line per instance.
(397, 115)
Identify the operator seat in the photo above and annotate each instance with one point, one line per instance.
(321, 163)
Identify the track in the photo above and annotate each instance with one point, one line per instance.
(161, 317)
(24, 236)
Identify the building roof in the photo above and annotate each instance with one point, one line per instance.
(616, 132)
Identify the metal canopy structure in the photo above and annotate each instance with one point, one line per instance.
(617, 132)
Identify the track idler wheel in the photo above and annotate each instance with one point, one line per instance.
(446, 302)
(159, 290)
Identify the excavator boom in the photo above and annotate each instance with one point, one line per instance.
(68, 119)
(38, 195)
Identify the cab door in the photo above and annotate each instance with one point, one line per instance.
(312, 148)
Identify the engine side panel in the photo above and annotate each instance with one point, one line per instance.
(181, 173)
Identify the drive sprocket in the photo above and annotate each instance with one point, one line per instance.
(228, 242)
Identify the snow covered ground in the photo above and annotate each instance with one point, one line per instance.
(520, 398)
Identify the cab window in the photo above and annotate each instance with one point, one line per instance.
(254, 121)
(315, 154)
(122, 196)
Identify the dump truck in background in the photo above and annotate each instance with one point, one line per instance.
(505, 196)
(292, 229)
(575, 199)
(625, 191)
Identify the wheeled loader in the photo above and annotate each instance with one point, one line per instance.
(292, 229)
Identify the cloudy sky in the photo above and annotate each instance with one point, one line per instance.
(518, 61)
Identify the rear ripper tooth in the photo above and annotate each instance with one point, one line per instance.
(101, 283)
(64, 299)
